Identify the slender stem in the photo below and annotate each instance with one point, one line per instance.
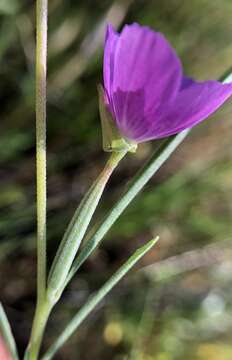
(40, 320)
(42, 307)
(41, 56)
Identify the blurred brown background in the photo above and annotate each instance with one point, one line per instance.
(180, 307)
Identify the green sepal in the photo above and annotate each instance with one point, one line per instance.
(112, 139)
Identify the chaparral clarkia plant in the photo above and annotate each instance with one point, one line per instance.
(145, 89)
(145, 97)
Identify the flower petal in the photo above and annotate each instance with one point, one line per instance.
(194, 103)
(145, 60)
(139, 61)
(109, 55)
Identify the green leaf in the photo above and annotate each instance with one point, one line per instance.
(77, 228)
(137, 184)
(97, 297)
(7, 334)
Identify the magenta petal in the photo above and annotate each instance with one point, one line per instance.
(138, 61)
(144, 61)
(109, 53)
(194, 103)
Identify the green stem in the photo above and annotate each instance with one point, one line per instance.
(42, 313)
(41, 56)
(77, 228)
(42, 308)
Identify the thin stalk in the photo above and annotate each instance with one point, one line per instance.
(41, 58)
(77, 229)
(40, 320)
(42, 308)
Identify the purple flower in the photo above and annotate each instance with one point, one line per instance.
(145, 89)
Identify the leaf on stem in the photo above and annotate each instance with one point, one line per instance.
(134, 187)
(77, 229)
(97, 297)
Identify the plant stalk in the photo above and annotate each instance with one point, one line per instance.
(42, 307)
(40, 320)
(41, 59)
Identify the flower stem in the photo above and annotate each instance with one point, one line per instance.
(42, 313)
(42, 307)
(41, 57)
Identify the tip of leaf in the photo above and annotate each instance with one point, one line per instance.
(153, 241)
(145, 248)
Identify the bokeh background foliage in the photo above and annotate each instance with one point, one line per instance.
(180, 306)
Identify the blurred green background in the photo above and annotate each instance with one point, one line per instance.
(178, 303)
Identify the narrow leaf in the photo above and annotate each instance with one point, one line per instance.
(97, 297)
(134, 187)
(77, 228)
(7, 334)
